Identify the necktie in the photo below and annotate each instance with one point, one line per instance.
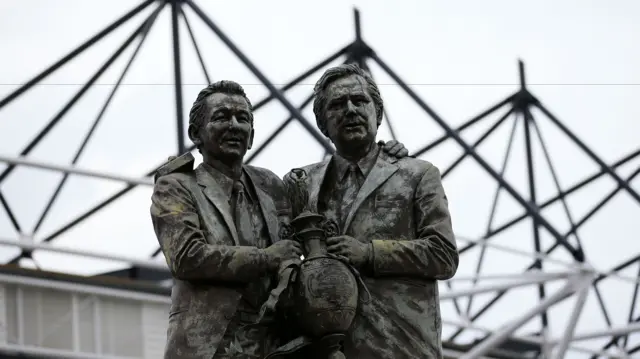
(242, 217)
(351, 186)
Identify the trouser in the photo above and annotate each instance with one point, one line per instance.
(243, 339)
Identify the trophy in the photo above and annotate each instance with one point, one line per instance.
(323, 290)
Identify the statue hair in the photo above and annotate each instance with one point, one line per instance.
(199, 107)
(336, 73)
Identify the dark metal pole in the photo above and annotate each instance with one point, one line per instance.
(256, 72)
(478, 142)
(634, 301)
(523, 103)
(578, 255)
(597, 207)
(554, 175)
(275, 133)
(12, 217)
(534, 202)
(558, 197)
(589, 152)
(175, 31)
(79, 94)
(48, 71)
(494, 207)
(79, 219)
(304, 75)
(195, 46)
(465, 125)
(359, 43)
(95, 123)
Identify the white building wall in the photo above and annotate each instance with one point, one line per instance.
(64, 320)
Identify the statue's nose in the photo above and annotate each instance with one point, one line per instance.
(351, 108)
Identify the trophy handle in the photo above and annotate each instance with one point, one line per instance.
(330, 227)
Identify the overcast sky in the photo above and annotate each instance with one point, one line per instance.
(461, 57)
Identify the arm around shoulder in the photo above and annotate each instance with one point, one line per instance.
(433, 254)
(187, 252)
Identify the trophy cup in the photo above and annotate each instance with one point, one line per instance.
(324, 291)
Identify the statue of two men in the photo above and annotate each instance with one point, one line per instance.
(219, 227)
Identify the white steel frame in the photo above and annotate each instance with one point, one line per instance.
(578, 279)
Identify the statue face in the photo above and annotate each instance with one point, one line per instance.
(350, 113)
(227, 131)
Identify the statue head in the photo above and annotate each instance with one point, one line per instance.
(348, 107)
(221, 122)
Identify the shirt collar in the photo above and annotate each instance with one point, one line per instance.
(365, 164)
(224, 180)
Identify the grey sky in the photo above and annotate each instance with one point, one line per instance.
(581, 59)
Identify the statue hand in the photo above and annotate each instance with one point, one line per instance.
(395, 149)
(281, 251)
(356, 252)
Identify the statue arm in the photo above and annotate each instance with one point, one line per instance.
(433, 255)
(188, 254)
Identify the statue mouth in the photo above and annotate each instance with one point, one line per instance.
(353, 126)
(352, 123)
(234, 140)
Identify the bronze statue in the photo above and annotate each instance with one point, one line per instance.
(219, 227)
(393, 219)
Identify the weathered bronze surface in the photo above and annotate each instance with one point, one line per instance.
(395, 226)
(222, 229)
(222, 252)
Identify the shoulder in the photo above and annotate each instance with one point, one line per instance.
(417, 166)
(175, 165)
(265, 177)
(174, 184)
(174, 174)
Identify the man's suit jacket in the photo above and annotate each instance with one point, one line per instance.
(194, 226)
(402, 209)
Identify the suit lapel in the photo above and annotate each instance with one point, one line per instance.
(267, 206)
(380, 173)
(316, 179)
(213, 191)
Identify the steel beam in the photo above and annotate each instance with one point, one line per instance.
(24, 161)
(528, 280)
(501, 335)
(77, 51)
(177, 73)
(563, 345)
(257, 73)
(31, 246)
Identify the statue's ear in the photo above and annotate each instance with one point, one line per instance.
(251, 138)
(192, 131)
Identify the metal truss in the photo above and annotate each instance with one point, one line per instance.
(580, 277)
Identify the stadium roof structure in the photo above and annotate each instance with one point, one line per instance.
(556, 251)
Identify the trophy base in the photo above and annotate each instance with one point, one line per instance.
(327, 347)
